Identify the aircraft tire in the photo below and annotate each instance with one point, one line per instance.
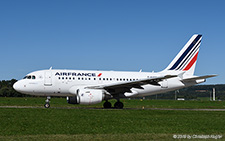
(107, 105)
(47, 105)
(118, 105)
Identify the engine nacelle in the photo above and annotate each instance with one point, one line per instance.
(73, 100)
(86, 96)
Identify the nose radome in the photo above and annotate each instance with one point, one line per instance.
(16, 86)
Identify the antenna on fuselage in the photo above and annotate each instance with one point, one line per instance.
(50, 68)
(140, 70)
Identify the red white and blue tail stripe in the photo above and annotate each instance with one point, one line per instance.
(187, 57)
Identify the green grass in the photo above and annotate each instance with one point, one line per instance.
(90, 137)
(61, 102)
(204, 98)
(20, 122)
(111, 124)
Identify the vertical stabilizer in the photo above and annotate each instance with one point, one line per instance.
(186, 59)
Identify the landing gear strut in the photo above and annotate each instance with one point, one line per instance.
(107, 104)
(118, 105)
(47, 102)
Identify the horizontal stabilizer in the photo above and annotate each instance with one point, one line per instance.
(198, 78)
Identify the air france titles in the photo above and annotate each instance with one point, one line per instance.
(74, 74)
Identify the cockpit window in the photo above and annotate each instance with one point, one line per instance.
(30, 77)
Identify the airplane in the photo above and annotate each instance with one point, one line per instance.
(92, 87)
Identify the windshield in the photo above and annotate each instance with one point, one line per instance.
(30, 77)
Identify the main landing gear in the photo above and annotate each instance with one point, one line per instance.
(47, 102)
(117, 105)
(107, 105)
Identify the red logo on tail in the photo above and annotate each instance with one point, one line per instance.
(194, 59)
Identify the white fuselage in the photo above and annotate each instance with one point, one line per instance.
(91, 87)
(65, 82)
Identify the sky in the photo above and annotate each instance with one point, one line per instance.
(119, 35)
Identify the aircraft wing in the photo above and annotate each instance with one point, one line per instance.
(126, 86)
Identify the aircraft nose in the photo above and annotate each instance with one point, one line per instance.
(16, 86)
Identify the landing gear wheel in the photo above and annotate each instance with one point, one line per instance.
(47, 102)
(107, 105)
(118, 105)
(47, 105)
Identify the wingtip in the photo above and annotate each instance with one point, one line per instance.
(214, 75)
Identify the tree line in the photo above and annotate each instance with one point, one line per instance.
(6, 89)
(194, 92)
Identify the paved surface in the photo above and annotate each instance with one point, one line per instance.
(167, 109)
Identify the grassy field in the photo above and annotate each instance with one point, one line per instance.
(61, 102)
(111, 124)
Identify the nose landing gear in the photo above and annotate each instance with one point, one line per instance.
(47, 102)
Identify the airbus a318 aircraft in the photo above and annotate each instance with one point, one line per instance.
(91, 87)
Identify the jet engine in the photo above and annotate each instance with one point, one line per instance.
(86, 96)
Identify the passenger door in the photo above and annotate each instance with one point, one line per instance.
(48, 78)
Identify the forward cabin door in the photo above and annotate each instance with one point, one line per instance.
(48, 78)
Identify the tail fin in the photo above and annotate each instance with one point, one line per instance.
(187, 57)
